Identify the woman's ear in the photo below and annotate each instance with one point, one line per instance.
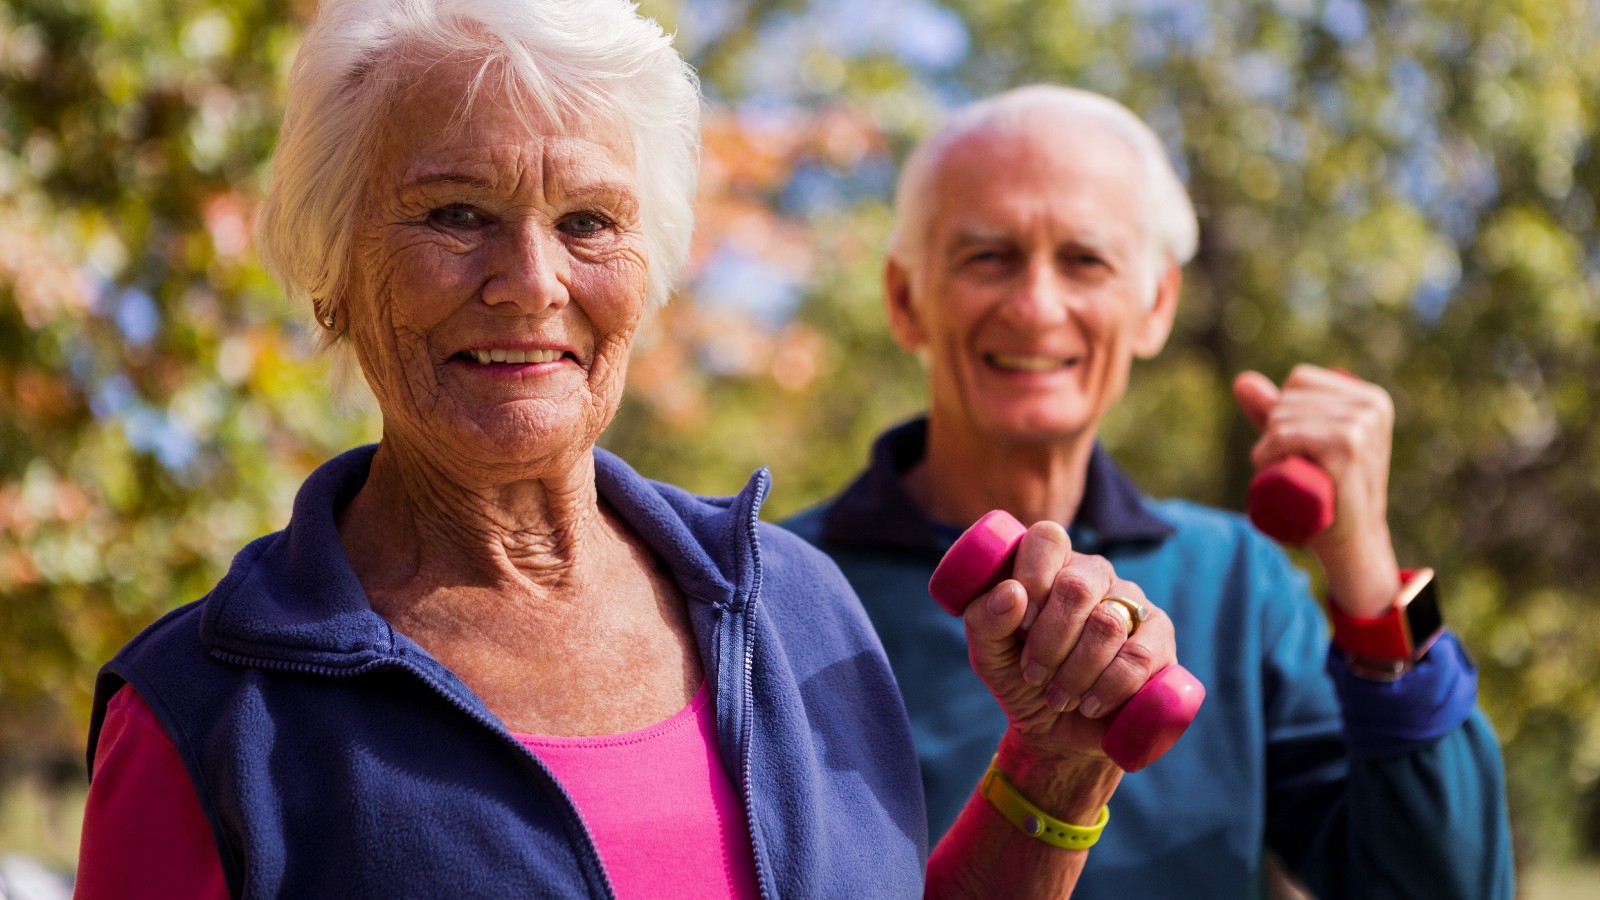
(904, 322)
(1155, 320)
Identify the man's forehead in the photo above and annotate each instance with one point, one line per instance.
(1057, 145)
(990, 183)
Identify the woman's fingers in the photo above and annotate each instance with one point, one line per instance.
(1140, 656)
(1055, 651)
(1043, 552)
(1067, 621)
(1105, 631)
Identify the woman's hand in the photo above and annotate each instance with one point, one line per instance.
(1058, 658)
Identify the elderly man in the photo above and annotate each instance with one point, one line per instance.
(1037, 252)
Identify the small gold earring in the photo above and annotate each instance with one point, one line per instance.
(328, 320)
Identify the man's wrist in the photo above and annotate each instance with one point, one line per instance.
(1362, 576)
(1386, 646)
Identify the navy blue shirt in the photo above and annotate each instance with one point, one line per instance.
(1365, 790)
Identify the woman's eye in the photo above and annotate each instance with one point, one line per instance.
(584, 223)
(457, 215)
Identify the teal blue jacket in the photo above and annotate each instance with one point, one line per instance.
(1364, 790)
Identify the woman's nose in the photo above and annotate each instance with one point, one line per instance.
(528, 267)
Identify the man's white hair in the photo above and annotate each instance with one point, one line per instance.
(1170, 225)
(565, 62)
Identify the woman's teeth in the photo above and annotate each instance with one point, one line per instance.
(514, 356)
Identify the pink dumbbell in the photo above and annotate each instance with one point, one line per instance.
(1147, 725)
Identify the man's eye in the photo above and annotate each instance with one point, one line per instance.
(456, 215)
(584, 223)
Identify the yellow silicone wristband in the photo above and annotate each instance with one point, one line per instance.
(1035, 822)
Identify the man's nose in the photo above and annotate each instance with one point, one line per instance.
(528, 266)
(1040, 296)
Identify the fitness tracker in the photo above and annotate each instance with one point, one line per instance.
(1386, 647)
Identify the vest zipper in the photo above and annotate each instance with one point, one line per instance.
(747, 698)
(589, 852)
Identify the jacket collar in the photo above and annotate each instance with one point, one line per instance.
(876, 511)
(292, 596)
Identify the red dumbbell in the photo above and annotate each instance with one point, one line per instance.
(1291, 501)
(1147, 725)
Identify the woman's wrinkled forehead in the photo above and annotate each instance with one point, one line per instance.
(457, 92)
(451, 126)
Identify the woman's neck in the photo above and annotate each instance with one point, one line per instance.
(524, 589)
(417, 523)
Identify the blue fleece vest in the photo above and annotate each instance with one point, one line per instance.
(335, 758)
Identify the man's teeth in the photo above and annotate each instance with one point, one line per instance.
(1027, 363)
(515, 356)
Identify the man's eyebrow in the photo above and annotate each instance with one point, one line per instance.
(965, 237)
(1091, 238)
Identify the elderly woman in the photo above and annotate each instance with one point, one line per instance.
(487, 659)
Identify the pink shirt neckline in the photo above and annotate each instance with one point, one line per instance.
(696, 704)
(659, 805)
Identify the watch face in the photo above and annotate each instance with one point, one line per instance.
(1423, 619)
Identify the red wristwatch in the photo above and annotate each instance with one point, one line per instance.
(1385, 647)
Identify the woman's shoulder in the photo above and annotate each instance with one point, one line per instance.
(800, 581)
(793, 555)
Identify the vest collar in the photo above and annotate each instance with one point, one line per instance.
(292, 597)
(875, 509)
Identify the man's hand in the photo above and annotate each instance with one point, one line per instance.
(1345, 426)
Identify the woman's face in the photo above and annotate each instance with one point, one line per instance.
(497, 279)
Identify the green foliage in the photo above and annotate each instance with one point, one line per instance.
(1403, 189)
(158, 404)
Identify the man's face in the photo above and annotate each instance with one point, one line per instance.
(1028, 293)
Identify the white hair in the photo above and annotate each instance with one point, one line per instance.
(1171, 229)
(572, 61)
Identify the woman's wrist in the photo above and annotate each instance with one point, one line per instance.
(1069, 786)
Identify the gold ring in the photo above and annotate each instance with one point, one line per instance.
(1137, 612)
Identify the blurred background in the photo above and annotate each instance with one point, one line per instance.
(1403, 189)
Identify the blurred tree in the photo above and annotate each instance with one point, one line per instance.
(157, 407)
(1403, 189)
